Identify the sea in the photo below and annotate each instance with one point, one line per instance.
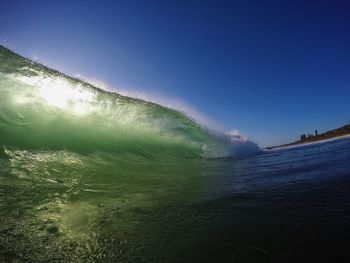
(87, 175)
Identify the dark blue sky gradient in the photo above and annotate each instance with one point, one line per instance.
(272, 69)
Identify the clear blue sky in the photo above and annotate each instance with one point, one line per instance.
(272, 69)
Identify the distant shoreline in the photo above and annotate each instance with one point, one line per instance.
(338, 133)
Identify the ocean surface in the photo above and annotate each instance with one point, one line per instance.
(87, 175)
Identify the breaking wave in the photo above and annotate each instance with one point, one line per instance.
(43, 109)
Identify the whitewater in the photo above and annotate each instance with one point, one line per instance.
(89, 175)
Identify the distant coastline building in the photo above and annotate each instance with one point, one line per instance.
(304, 137)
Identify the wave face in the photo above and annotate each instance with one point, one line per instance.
(43, 109)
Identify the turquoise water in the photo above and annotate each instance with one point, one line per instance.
(91, 176)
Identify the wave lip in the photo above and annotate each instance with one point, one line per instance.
(41, 108)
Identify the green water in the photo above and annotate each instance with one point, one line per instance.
(88, 175)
